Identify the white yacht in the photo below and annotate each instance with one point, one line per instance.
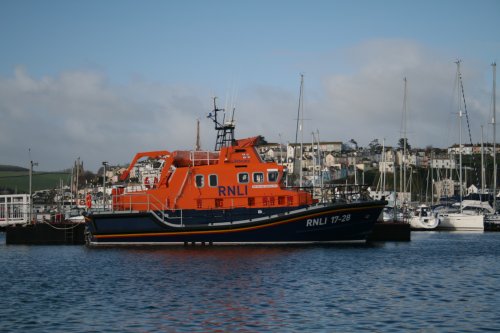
(460, 221)
(423, 219)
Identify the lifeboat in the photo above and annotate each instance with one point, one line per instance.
(226, 196)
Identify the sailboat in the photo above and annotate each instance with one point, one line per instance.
(492, 221)
(423, 219)
(460, 220)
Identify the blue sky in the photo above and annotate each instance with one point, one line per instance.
(104, 79)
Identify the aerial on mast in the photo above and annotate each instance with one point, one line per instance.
(225, 130)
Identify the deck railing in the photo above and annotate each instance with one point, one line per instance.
(164, 211)
(126, 203)
(203, 157)
(331, 193)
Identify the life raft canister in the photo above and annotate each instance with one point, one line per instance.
(88, 201)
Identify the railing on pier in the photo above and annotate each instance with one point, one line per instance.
(14, 209)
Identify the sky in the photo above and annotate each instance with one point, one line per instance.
(103, 80)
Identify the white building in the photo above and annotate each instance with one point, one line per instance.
(387, 167)
(443, 163)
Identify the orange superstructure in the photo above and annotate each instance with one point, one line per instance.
(233, 177)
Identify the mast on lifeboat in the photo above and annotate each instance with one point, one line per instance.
(225, 130)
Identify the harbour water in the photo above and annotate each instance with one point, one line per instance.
(438, 282)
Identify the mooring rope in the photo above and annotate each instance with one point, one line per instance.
(57, 228)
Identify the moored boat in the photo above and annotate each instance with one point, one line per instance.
(227, 196)
(459, 221)
(423, 219)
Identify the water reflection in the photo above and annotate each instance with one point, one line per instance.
(437, 282)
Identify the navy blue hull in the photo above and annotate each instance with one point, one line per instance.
(347, 222)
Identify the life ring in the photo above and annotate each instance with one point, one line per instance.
(82, 202)
(89, 201)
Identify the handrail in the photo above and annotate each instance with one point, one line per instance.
(194, 154)
(153, 206)
(160, 210)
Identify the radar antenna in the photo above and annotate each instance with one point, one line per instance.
(225, 130)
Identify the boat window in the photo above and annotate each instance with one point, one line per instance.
(272, 176)
(199, 180)
(258, 177)
(243, 178)
(212, 180)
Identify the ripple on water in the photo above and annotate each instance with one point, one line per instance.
(437, 282)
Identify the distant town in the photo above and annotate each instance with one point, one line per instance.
(421, 174)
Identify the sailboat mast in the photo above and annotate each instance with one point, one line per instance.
(432, 178)
(482, 161)
(301, 105)
(404, 140)
(384, 166)
(314, 159)
(320, 161)
(494, 65)
(459, 132)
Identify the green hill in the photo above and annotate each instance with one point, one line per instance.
(12, 168)
(18, 181)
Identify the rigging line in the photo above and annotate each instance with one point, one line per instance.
(465, 108)
(468, 127)
(298, 109)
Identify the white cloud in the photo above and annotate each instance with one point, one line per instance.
(368, 104)
(82, 114)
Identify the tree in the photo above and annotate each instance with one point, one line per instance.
(401, 144)
(350, 146)
(88, 177)
(354, 143)
(375, 147)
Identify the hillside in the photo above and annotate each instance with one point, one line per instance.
(12, 168)
(18, 181)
